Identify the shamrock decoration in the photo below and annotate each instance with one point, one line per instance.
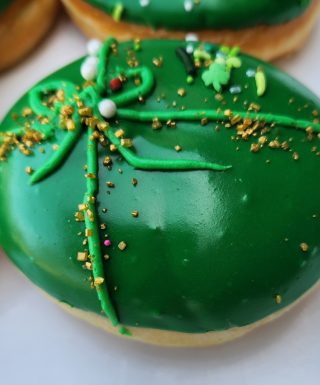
(219, 72)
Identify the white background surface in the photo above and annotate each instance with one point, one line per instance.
(40, 344)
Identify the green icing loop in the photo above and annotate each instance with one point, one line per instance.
(101, 84)
(142, 90)
(148, 116)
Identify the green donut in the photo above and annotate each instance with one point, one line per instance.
(213, 214)
(205, 14)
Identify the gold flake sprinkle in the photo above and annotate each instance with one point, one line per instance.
(157, 61)
(178, 148)
(98, 281)
(126, 142)
(66, 110)
(29, 170)
(88, 265)
(113, 147)
(119, 133)
(91, 199)
(27, 112)
(103, 226)
(204, 121)
(135, 213)
(255, 147)
(156, 124)
(55, 147)
(106, 257)
(82, 207)
(88, 233)
(90, 175)
(134, 181)
(304, 247)
(182, 92)
(82, 256)
(107, 161)
(110, 184)
(122, 245)
(295, 156)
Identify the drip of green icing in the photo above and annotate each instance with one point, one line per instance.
(148, 116)
(94, 239)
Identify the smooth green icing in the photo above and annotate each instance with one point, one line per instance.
(208, 250)
(207, 14)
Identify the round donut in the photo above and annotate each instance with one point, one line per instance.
(166, 191)
(267, 29)
(23, 23)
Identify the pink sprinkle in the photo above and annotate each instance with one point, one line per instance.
(107, 242)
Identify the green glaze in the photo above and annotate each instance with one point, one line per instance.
(207, 14)
(209, 250)
(4, 4)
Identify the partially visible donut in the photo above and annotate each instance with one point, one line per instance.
(23, 23)
(267, 29)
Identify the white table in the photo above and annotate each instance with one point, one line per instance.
(40, 344)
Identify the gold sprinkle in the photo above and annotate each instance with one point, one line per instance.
(295, 156)
(82, 256)
(157, 61)
(88, 265)
(278, 299)
(204, 121)
(66, 110)
(85, 111)
(262, 140)
(274, 144)
(126, 143)
(103, 226)
(29, 170)
(91, 199)
(182, 92)
(70, 125)
(102, 126)
(113, 147)
(110, 184)
(90, 175)
(55, 147)
(134, 181)
(122, 245)
(79, 216)
(107, 161)
(119, 133)
(304, 247)
(135, 213)
(82, 207)
(255, 147)
(156, 124)
(26, 112)
(98, 281)
(88, 233)
(90, 215)
(178, 148)
(228, 113)
(106, 257)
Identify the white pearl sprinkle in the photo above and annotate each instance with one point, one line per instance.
(189, 48)
(89, 68)
(191, 37)
(144, 3)
(188, 5)
(107, 108)
(93, 47)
